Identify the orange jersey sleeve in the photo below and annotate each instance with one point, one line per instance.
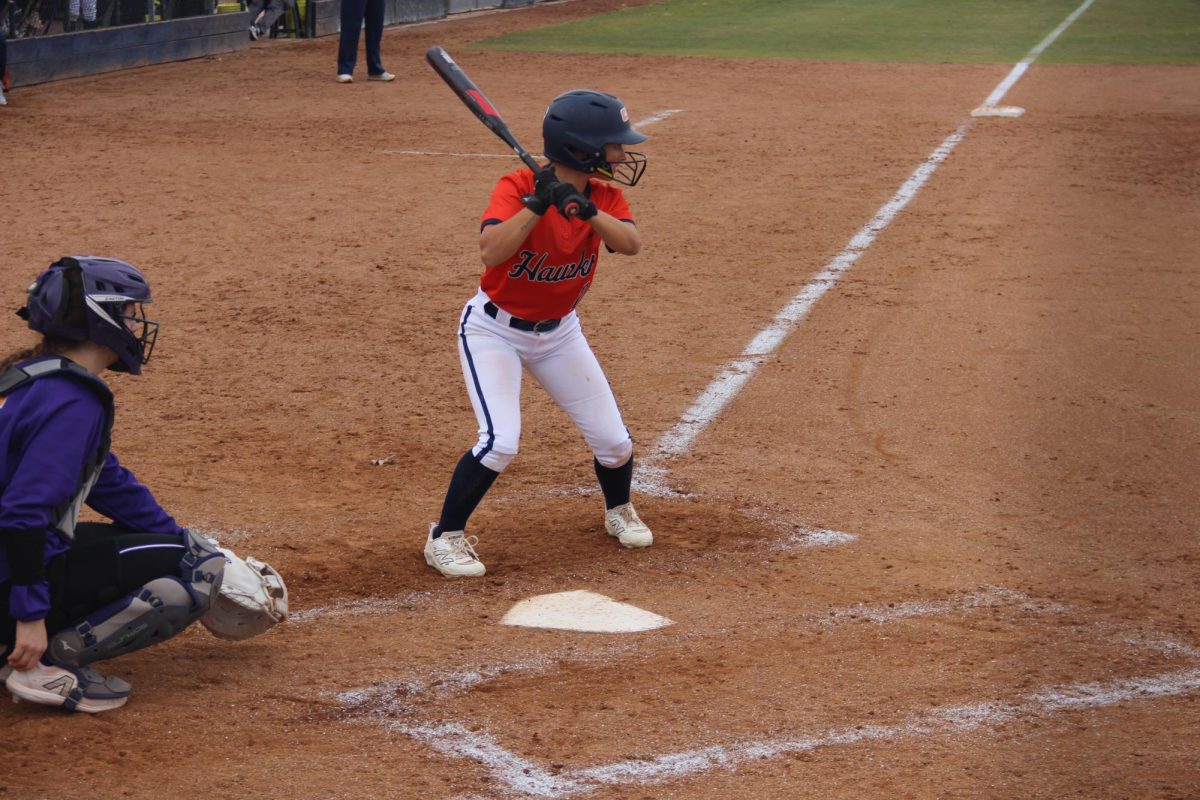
(555, 265)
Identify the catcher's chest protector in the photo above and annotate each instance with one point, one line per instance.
(13, 378)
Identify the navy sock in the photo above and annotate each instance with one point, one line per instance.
(615, 482)
(468, 485)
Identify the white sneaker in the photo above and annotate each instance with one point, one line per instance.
(344, 78)
(81, 689)
(254, 34)
(3, 102)
(624, 523)
(383, 76)
(453, 554)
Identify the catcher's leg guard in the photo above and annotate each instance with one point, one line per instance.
(152, 614)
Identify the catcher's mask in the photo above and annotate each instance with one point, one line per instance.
(577, 126)
(89, 298)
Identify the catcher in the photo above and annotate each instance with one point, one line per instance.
(73, 593)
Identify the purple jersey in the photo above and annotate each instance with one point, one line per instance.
(50, 432)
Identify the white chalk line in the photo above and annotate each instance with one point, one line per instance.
(523, 777)
(510, 156)
(386, 699)
(679, 438)
(389, 698)
(658, 116)
(1019, 69)
(651, 477)
(518, 776)
(363, 607)
(796, 535)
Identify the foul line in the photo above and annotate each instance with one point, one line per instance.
(730, 380)
(737, 373)
(1022, 65)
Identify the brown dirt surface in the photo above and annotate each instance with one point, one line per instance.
(997, 403)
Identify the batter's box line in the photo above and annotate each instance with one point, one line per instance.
(401, 697)
(798, 533)
(520, 777)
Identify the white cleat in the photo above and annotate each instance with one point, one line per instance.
(383, 76)
(81, 689)
(344, 78)
(453, 554)
(624, 523)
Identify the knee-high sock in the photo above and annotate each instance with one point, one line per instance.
(468, 485)
(615, 482)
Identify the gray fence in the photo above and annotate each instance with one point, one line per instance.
(36, 59)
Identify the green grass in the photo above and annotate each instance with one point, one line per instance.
(974, 31)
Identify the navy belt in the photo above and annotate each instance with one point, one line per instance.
(541, 326)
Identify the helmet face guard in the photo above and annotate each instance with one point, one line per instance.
(578, 125)
(101, 300)
(627, 172)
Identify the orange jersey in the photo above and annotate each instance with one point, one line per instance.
(554, 266)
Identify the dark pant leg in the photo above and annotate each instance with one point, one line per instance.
(271, 14)
(8, 625)
(352, 21)
(3, 54)
(107, 562)
(374, 17)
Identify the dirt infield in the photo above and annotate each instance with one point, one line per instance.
(995, 407)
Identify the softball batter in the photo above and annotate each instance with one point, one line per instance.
(539, 241)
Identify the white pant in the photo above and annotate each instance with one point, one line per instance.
(89, 9)
(492, 355)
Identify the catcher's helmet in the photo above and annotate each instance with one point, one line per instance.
(579, 123)
(83, 298)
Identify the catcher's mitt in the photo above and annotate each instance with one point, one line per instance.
(252, 599)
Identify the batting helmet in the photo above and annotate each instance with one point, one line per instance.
(577, 126)
(83, 298)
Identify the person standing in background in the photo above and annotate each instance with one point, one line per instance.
(81, 14)
(264, 14)
(354, 12)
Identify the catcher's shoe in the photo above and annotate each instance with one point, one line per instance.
(624, 523)
(453, 554)
(73, 688)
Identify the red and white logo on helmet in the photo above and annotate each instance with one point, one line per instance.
(624, 115)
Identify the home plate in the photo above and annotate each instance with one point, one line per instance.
(581, 611)
(998, 111)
